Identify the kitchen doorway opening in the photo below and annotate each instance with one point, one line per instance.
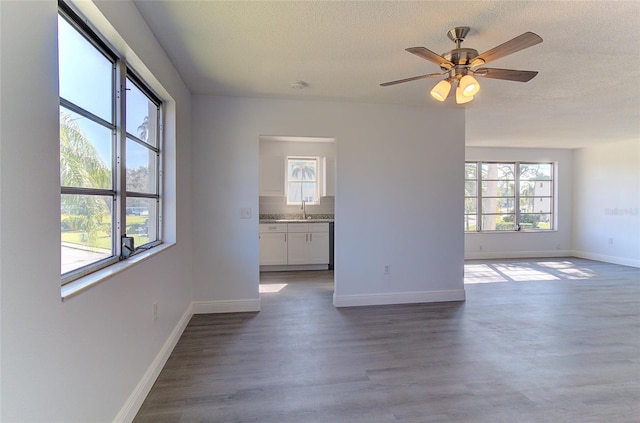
(296, 208)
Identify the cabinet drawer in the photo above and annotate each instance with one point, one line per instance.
(273, 227)
(318, 227)
(298, 227)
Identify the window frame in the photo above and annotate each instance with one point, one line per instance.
(316, 181)
(119, 135)
(517, 196)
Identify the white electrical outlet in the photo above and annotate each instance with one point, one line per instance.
(155, 311)
(387, 269)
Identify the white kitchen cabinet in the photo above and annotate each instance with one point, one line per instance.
(297, 248)
(328, 177)
(308, 243)
(273, 244)
(318, 247)
(272, 176)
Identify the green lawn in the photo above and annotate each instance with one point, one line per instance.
(103, 239)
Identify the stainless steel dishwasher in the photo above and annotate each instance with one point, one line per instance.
(331, 225)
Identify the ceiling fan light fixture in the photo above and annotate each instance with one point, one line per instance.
(469, 86)
(461, 98)
(441, 91)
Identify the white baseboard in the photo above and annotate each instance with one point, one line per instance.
(293, 267)
(482, 255)
(398, 298)
(623, 261)
(134, 402)
(228, 306)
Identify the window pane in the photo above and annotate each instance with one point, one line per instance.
(535, 221)
(85, 230)
(470, 222)
(302, 190)
(495, 171)
(302, 170)
(470, 205)
(498, 188)
(470, 171)
(498, 205)
(141, 168)
(85, 74)
(85, 152)
(142, 220)
(540, 171)
(498, 222)
(470, 188)
(535, 205)
(142, 115)
(535, 188)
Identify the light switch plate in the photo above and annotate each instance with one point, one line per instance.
(245, 213)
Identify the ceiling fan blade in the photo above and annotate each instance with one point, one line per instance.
(431, 56)
(415, 78)
(508, 74)
(521, 42)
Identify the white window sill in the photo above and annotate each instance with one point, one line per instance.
(546, 231)
(82, 284)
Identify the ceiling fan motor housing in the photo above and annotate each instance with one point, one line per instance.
(460, 56)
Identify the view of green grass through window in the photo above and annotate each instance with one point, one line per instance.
(103, 199)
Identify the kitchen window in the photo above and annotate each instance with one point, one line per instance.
(110, 153)
(302, 180)
(508, 196)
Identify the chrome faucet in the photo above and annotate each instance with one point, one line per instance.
(304, 210)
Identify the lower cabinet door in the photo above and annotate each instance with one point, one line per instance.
(273, 248)
(318, 248)
(298, 248)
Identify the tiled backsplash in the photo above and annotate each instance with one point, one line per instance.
(277, 206)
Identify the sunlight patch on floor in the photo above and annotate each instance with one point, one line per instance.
(525, 271)
(272, 287)
(521, 273)
(569, 269)
(481, 273)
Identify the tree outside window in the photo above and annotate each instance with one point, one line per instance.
(302, 180)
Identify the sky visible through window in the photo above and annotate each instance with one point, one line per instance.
(86, 79)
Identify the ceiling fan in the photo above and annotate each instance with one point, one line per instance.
(462, 64)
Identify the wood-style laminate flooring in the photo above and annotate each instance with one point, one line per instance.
(538, 340)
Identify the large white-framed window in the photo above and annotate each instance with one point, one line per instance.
(509, 196)
(110, 153)
(302, 180)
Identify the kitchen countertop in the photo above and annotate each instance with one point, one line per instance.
(312, 220)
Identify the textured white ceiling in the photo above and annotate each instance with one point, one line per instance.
(587, 91)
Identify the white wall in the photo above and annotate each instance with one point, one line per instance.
(606, 196)
(398, 201)
(297, 148)
(80, 360)
(555, 243)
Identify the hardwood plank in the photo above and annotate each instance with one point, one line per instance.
(543, 340)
